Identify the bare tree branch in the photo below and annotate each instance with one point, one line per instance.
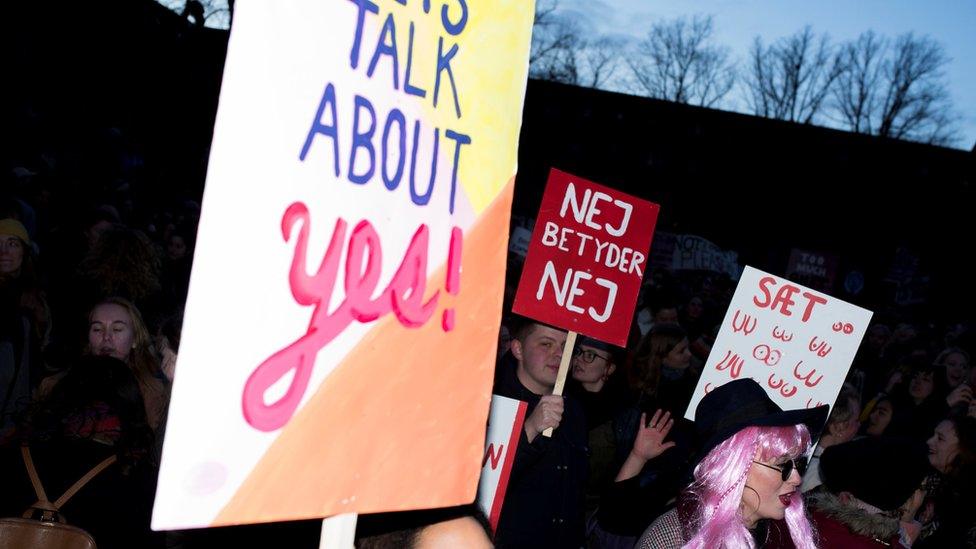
(855, 91)
(896, 90)
(677, 62)
(600, 60)
(790, 79)
(555, 43)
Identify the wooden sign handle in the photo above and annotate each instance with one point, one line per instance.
(338, 532)
(563, 370)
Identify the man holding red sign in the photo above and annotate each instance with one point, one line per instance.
(544, 501)
(583, 272)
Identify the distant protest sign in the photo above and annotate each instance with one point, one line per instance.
(814, 269)
(693, 252)
(504, 429)
(586, 259)
(795, 342)
(340, 333)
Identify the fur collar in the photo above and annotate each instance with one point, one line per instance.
(857, 520)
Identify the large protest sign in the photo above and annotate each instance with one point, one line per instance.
(795, 342)
(340, 333)
(586, 259)
(504, 429)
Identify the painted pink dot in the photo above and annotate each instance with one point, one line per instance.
(448, 320)
(206, 478)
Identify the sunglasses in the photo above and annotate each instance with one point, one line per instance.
(588, 356)
(787, 468)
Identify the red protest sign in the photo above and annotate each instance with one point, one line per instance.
(586, 259)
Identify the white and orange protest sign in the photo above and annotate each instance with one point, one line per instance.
(340, 333)
(795, 342)
(504, 429)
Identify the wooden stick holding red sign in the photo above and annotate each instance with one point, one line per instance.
(586, 259)
(563, 370)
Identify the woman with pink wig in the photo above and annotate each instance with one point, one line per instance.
(746, 479)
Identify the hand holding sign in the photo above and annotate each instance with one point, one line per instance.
(585, 263)
(547, 415)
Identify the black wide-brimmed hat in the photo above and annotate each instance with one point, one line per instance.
(881, 471)
(742, 403)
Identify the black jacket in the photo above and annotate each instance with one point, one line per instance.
(544, 501)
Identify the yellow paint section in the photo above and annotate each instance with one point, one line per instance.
(490, 71)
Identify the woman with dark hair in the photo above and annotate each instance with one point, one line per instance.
(745, 478)
(661, 358)
(923, 400)
(661, 377)
(885, 417)
(661, 381)
(93, 412)
(952, 490)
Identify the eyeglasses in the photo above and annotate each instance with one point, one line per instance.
(787, 469)
(588, 356)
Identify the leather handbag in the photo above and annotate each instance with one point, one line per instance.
(42, 526)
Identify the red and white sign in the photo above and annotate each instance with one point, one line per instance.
(796, 342)
(504, 430)
(586, 259)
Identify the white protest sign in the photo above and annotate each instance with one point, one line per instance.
(504, 430)
(795, 342)
(338, 351)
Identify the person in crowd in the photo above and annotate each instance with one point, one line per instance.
(20, 288)
(24, 324)
(871, 361)
(885, 414)
(746, 476)
(447, 528)
(544, 502)
(661, 382)
(841, 427)
(124, 263)
(175, 273)
(660, 376)
(923, 400)
(661, 309)
(693, 319)
(94, 411)
(951, 490)
(870, 493)
(956, 364)
(660, 371)
(116, 329)
(600, 393)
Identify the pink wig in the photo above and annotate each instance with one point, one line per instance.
(720, 479)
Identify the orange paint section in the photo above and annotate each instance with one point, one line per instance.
(400, 423)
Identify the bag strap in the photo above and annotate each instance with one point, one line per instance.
(39, 488)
